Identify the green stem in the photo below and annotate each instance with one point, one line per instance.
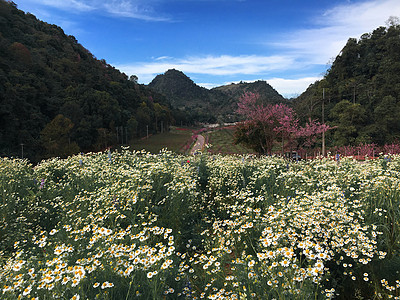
(129, 290)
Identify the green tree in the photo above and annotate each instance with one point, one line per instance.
(55, 137)
(134, 79)
(132, 126)
(105, 137)
(387, 116)
(143, 117)
(349, 118)
(365, 72)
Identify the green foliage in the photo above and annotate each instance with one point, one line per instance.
(56, 137)
(387, 115)
(222, 141)
(17, 201)
(44, 73)
(366, 73)
(351, 118)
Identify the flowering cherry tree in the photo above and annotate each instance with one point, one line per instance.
(286, 125)
(307, 135)
(257, 130)
(266, 124)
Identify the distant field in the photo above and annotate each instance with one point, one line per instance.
(179, 140)
(221, 140)
(175, 140)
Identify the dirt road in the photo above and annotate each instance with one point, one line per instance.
(198, 145)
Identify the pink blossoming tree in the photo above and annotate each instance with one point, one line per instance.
(266, 124)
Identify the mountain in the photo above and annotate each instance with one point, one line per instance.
(179, 88)
(362, 90)
(191, 102)
(56, 98)
(203, 105)
(267, 93)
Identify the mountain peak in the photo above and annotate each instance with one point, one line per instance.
(171, 76)
(175, 72)
(176, 85)
(209, 105)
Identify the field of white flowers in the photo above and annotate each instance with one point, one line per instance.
(134, 225)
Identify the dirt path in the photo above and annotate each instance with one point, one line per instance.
(198, 145)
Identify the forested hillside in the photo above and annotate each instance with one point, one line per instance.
(198, 104)
(56, 98)
(362, 90)
(192, 101)
(236, 90)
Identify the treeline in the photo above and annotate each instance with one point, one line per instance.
(361, 89)
(57, 99)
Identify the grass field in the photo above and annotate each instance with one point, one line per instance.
(221, 140)
(175, 140)
(179, 140)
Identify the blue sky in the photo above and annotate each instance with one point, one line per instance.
(288, 43)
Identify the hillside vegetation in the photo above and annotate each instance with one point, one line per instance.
(198, 104)
(362, 90)
(56, 98)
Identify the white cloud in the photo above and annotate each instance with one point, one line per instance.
(163, 58)
(208, 85)
(291, 87)
(77, 5)
(136, 9)
(332, 30)
(298, 49)
(223, 65)
(132, 9)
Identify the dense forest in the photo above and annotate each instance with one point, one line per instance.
(56, 98)
(361, 90)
